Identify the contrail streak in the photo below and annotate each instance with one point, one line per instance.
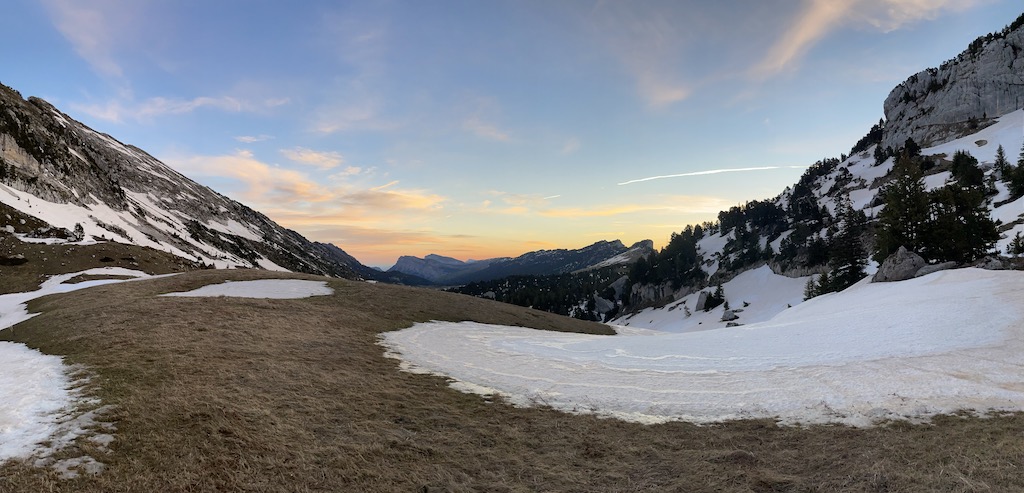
(710, 172)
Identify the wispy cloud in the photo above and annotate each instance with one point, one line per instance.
(251, 139)
(649, 45)
(480, 128)
(818, 18)
(261, 182)
(120, 111)
(709, 172)
(350, 171)
(293, 193)
(572, 145)
(91, 28)
(345, 116)
(319, 159)
(690, 204)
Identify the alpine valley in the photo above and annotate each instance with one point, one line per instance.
(859, 331)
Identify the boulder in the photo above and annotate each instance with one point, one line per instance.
(702, 301)
(928, 269)
(991, 263)
(900, 266)
(13, 259)
(729, 316)
(602, 305)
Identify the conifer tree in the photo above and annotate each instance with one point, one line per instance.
(1016, 246)
(902, 220)
(847, 257)
(880, 155)
(1001, 163)
(1017, 177)
(959, 227)
(966, 171)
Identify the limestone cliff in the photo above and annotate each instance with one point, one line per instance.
(938, 104)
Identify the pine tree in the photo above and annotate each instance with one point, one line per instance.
(819, 286)
(959, 227)
(966, 171)
(1017, 177)
(880, 155)
(901, 221)
(1001, 164)
(1016, 246)
(911, 148)
(847, 257)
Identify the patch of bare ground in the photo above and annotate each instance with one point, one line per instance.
(228, 394)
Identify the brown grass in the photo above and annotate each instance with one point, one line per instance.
(223, 394)
(49, 260)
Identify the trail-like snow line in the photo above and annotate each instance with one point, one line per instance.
(945, 342)
(36, 393)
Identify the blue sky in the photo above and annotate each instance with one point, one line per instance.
(483, 128)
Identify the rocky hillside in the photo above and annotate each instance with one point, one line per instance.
(439, 269)
(984, 81)
(445, 270)
(89, 187)
(833, 227)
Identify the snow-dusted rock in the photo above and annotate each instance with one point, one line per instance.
(991, 263)
(900, 266)
(928, 269)
(729, 316)
(937, 104)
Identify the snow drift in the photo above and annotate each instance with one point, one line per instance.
(949, 341)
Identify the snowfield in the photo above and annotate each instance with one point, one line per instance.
(755, 295)
(949, 341)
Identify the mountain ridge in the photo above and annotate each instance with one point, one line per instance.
(93, 187)
(447, 270)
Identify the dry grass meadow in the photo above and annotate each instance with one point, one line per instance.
(226, 394)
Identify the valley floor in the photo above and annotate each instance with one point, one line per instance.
(239, 394)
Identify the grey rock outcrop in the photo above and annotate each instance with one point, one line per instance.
(928, 269)
(702, 301)
(729, 316)
(992, 263)
(934, 105)
(602, 305)
(900, 266)
(645, 294)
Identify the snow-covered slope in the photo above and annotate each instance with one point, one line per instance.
(66, 174)
(639, 249)
(937, 344)
(755, 296)
(860, 179)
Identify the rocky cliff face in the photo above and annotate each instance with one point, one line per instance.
(58, 170)
(939, 104)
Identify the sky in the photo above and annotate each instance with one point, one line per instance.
(478, 129)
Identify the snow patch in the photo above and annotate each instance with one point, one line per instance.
(37, 400)
(263, 288)
(949, 341)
